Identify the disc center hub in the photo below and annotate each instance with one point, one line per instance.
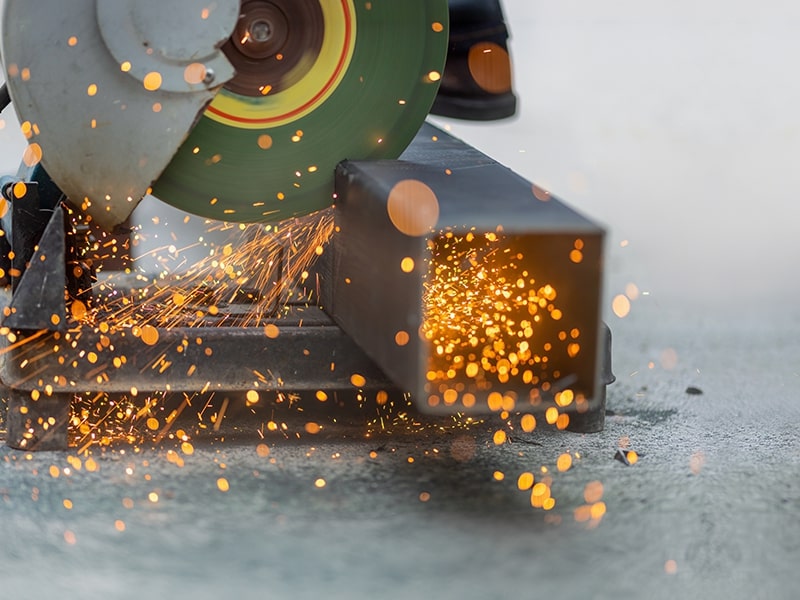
(260, 30)
(274, 44)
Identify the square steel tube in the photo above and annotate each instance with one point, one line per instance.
(471, 288)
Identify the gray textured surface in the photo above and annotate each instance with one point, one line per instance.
(731, 528)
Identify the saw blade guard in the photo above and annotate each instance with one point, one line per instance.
(106, 91)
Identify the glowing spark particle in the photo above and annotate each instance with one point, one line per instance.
(223, 485)
(525, 481)
(70, 537)
(321, 396)
(187, 448)
(498, 476)
(125, 66)
(32, 155)
(424, 496)
(92, 89)
(670, 567)
(539, 494)
(153, 497)
(437, 27)
(564, 462)
(401, 338)
(78, 310)
(251, 397)
(413, 207)
(357, 380)
(528, 423)
(621, 306)
(194, 73)
(264, 141)
(149, 335)
(152, 81)
(565, 398)
(67, 503)
(271, 331)
(489, 66)
(551, 415)
(20, 189)
(54, 471)
(495, 401)
(262, 450)
(499, 437)
(320, 483)
(72, 41)
(407, 264)
(597, 510)
(593, 492)
(434, 76)
(540, 194)
(119, 525)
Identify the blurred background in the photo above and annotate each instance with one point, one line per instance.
(673, 123)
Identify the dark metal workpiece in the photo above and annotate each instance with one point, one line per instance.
(373, 299)
(365, 300)
(309, 353)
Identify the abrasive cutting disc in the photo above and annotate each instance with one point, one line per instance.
(318, 82)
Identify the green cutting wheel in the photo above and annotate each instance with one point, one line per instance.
(317, 82)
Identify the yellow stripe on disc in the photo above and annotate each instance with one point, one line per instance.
(324, 74)
(318, 81)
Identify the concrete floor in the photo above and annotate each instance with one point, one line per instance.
(715, 490)
(675, 125)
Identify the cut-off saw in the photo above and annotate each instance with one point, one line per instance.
(442, 276)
